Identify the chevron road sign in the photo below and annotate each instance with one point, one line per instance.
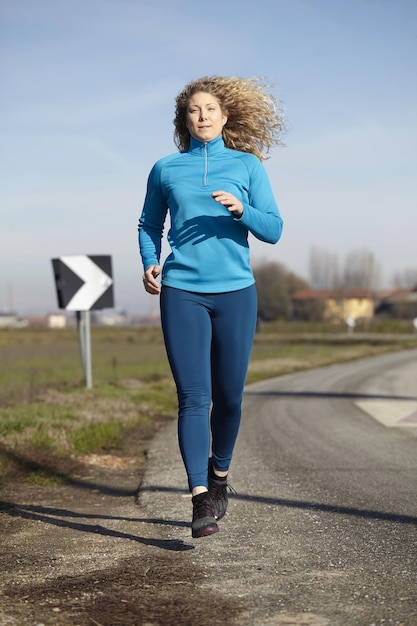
(83, 282)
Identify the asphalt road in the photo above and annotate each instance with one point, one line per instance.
(323, 528)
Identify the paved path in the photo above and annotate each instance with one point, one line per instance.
(391, 390)
(323, 529)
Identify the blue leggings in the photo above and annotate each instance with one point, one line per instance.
(208, 338)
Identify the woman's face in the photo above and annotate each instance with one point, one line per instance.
(205, 119)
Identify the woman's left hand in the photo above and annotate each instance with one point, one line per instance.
(229, 201)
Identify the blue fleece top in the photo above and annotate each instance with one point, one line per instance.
(209, 246)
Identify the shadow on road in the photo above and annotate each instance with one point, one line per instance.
(316, 506)
(330, 394)
(53, 516)
(60, 517)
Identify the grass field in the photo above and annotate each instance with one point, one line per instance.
(48, 419)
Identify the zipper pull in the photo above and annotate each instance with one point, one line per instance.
(205, 175)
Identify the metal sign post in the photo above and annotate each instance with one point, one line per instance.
(84, 282)
(83, 325)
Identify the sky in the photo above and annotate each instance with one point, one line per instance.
(88, 91)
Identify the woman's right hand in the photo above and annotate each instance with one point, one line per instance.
(149, 279)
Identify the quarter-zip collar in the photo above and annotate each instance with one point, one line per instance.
(206, 150)
(213, 147)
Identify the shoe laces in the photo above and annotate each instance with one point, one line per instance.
(203, 508)
(219, 491)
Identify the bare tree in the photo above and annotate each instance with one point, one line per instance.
(324, 269)
(407, 279)
(361, 271)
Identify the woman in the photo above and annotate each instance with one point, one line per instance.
(216, 191)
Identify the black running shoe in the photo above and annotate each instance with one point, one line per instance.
(203, 523)
(218, 494)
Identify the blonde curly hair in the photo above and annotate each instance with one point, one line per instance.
(255, 119)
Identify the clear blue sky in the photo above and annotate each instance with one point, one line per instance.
(88, 89)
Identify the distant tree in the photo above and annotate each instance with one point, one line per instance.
(275, 284)
(324, 269)
(407, 279)
(295, 283)
(360, 270)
